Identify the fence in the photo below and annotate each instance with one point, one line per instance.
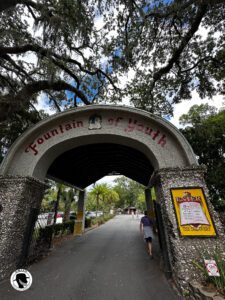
(41, 238)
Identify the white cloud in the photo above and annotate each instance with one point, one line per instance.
(99, 22)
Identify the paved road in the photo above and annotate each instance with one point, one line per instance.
(107, 263)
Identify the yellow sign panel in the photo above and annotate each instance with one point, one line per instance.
(192, 212)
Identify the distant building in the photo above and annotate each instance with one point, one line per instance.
(128, 210)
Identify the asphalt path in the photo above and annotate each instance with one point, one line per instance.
(106, 263)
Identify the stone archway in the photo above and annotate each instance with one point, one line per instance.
(154, 148)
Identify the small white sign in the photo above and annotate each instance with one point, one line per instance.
(211, 267)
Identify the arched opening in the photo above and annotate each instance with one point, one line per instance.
(86, 164)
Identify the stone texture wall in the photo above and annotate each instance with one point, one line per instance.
(18, 196)
(199, 292)
(222, 218)
(183, 250)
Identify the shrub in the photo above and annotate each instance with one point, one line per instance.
(88, 222)
(58, 229)
(45, 234)
(99, 220)
(68, 227)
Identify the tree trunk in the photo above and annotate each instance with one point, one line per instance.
(97, 204)
(68, 200)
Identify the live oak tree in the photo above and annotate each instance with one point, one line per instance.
(206, 134)
(175, 47)
(161, 40)
(55, 48)
(49, 46)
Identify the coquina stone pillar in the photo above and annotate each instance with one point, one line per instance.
(20, 199)
(80, 221)
(182, 251)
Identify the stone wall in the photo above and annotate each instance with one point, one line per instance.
(222, 218)
(183, 250)
(199, 292)
(19, 196)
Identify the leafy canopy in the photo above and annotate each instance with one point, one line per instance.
(131, 193)
(175, 47)
(58, 47)
(102, 197)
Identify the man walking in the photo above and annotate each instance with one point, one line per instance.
(146, 231)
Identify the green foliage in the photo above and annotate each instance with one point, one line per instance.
(45, 234)
(58, 42)
(49, 199)
(66, 199)
(14, 126)
(218, 282)
(130, 192)
(87, 222)
(55, 230)
(102, 197)
(68, 227)
(162, 42)
(197, 114)
(99, 220)
(207, 138)
(49, 46)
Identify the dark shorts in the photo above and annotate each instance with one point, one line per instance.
(148, 239)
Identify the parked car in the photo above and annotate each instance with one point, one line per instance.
(59, 217)
(73, 215)
(50, 218)
(42, 220)
(91, 214)
(45, 219)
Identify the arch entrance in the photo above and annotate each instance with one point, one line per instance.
(79, 147)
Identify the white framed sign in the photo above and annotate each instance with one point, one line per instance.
(211, 267)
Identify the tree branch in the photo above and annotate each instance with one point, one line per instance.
(55, 102)
(10, 104)
(47, 52)
(11, 61)
(184, 42)
(4, 5)
(207, 58)
(35, 87)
